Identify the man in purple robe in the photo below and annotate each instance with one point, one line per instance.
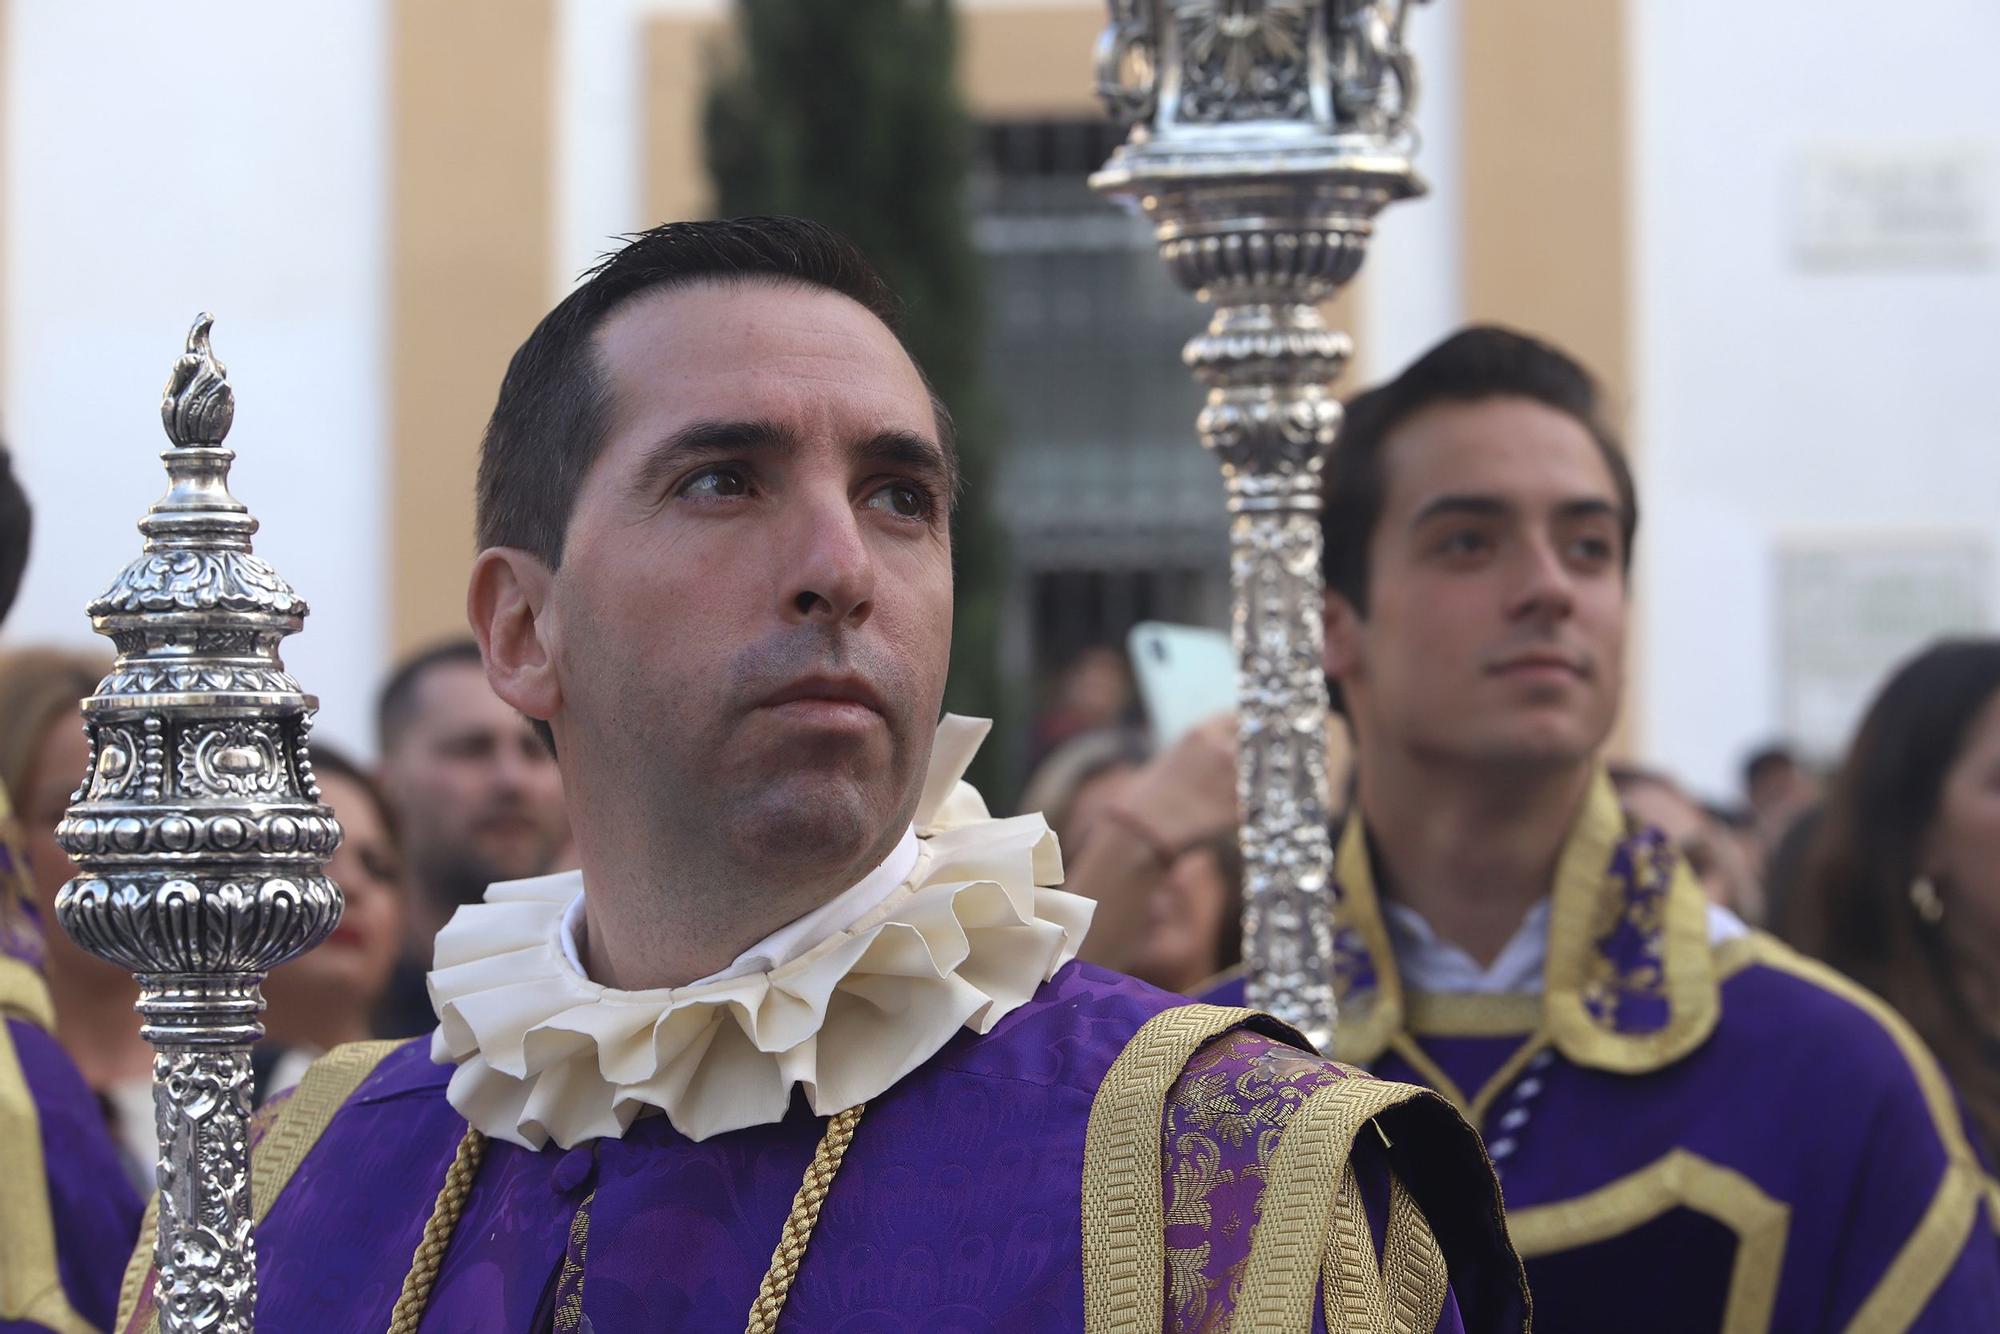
(67, 1213)
(803, 1045)
(1695, 1128)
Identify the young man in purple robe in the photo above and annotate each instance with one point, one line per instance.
(67, 1213)
(803, 1044)
(1695, 1128)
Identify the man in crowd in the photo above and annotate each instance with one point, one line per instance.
(67, 1212)
(1696, 1128)
(801, 965)
(1778, 792)
(479, 798)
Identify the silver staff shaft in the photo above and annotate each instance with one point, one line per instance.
(199, 835)
(1265, 137)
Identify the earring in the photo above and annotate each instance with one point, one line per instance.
(1925, 899)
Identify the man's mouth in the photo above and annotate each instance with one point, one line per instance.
(828, 700)
(1540, 665)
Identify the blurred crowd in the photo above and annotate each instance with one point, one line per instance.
(463, 795)
(1884, 863)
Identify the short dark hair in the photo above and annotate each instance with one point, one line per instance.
(1766, 760)
(397, 703)
(1479, 362)
(549, 423)
(16, 522)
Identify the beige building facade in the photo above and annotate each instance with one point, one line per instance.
(379, 197)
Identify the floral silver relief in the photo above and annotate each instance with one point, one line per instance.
(1265, 137)
(199, 835)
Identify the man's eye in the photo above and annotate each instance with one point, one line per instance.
(1465, 542)
(1594, 550)
(903, 499)
(716, 484)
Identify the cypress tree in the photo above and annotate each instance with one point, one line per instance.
(848, 113)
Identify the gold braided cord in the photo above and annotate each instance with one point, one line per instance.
(424, 1265)
(777, 1284)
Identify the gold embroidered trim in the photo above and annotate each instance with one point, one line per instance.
(1930, 1251)
(1363, 1032)
(31, 1287)
(569, 1314)
(139, 1265)
(1679, 1178)
(799, 1224)
(1510, 1070)
(1446, 1014)
(327, 1085)
(1405, 1293)
(1432, 1073)
(1351, 1295)
(1294, 1224)
(1732, 956)
(1124, 1229)
(1689, 967)
(25, 992)
(1414, 1273)
(301, 1120)
(1693, 992)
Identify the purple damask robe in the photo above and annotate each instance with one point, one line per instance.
(958, 1206)
(1690, 1135)
(85, 1211)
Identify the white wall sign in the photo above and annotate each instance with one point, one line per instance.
(1915, 205)
(1852, 608)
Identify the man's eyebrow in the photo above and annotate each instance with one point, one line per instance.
(705, 439)
(1485, 507)
(907, 449)
(1492, 507)
(1589, 507)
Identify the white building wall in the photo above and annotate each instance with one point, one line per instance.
(1775, 398)
(162, 160)
(1414, 276)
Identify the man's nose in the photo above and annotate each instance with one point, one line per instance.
(1547, 586)
(829, 570)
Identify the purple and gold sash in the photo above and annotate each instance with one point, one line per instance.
(1630, 982)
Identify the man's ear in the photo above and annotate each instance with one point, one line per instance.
(1341, 653)
(507, 603)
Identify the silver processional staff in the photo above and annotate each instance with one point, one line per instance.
(1266, 136)
(199, 835)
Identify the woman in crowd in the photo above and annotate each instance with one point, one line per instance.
(43, 755)
(1073, 787)
(1901, 889)
(1193, 933)
(324, 997)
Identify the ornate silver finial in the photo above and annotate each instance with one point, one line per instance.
(199, 405)
(199, 835)
(1265, 137)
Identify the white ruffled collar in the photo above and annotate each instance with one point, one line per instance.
(963, 939)
(782, 946)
